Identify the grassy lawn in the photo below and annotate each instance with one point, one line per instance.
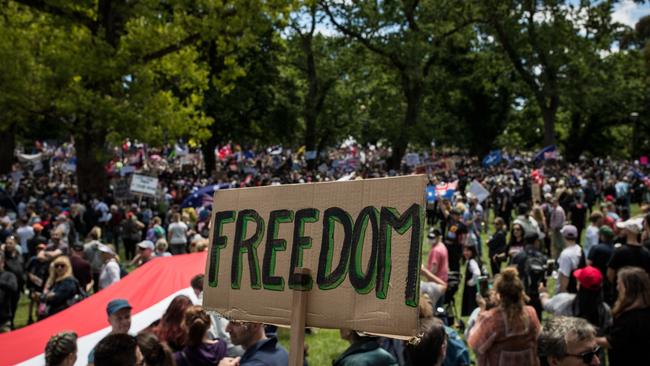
(325, 345)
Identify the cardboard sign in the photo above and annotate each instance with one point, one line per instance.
(142, 184)
(362, 241)
(479, 191)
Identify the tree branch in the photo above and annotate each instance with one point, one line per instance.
(363, 40)
(192, 38)
(72, 15)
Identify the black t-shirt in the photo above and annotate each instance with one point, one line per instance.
(600, 255)
(630, 255)
(628, 338)
(455, 230)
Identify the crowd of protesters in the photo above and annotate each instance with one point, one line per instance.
(570, 223)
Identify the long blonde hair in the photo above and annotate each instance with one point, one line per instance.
(511, 294)
(53, 278)
(636, 285)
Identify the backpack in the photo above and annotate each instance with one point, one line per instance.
(79, 295)
(534, 272)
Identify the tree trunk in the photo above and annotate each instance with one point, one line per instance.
(413, 94)
(7, 148)
(207, 148)
(576, 147)
(549, 114)
(91, 175)
(311, 100)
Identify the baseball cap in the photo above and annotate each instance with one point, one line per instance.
(117, 305)
(146, 244)
(569, 231)
(633, 225)
(606, 231)
(589, 277)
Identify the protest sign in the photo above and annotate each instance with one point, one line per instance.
(122, 190)
(361, 241)
(142, 184)
(412, 159)
(478, 191)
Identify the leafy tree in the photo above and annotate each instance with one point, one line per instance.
(132, 68)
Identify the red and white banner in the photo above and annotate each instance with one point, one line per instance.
(149, 290)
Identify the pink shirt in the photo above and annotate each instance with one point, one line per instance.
(438, 256)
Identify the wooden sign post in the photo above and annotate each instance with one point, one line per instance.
(298, 317)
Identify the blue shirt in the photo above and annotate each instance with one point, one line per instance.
(266, 352)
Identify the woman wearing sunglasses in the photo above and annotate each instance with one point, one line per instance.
(627, 339)
(60, 288)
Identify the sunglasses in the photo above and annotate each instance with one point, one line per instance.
(588, 356)
(59, 265)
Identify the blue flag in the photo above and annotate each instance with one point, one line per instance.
(549, 152)
(493, 158)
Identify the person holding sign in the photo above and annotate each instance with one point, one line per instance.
(260, 350)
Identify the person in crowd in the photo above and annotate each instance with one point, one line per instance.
(110, 272)
(627, 339)
(568, 341)
(24, 233)
(37, 269)
(131, 234)
(438, 259)
(56, 246)
(431, 285)
(199, 349)
(161, 248)
(531, 265)
(363, 350)
(154, 352)
(506, 334)
(145, 253)
(38, 239)
(497, 245)
(119, 318)
(218, 323)
(177, 235)
(170, 329)
(516, 242)
(570, 259)
(632, 253)
(118, 350)
(113, 228)
(599, 257)
(592, 235)
(431, 349)
(472, 274)
(8, 291)
(155, 231)
(556, 223)
(645, 233)
(14, 263)
(259, 350)
(61, 349)
(93, 255)
(80, 267)
(473, 218)
(543, 232)
(577, 216)
(587, 303)
(60, 288)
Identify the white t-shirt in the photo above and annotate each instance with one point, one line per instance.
(24, 234)
(177, 233)
(591, 238)
(567, 262)
(110, 274)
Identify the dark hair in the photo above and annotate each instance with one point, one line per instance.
(428, 350)
(116, 350)
(59, 347)
(169, 330)
(588, 304)
(154, 352)
(197, 282)
(197, 322)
